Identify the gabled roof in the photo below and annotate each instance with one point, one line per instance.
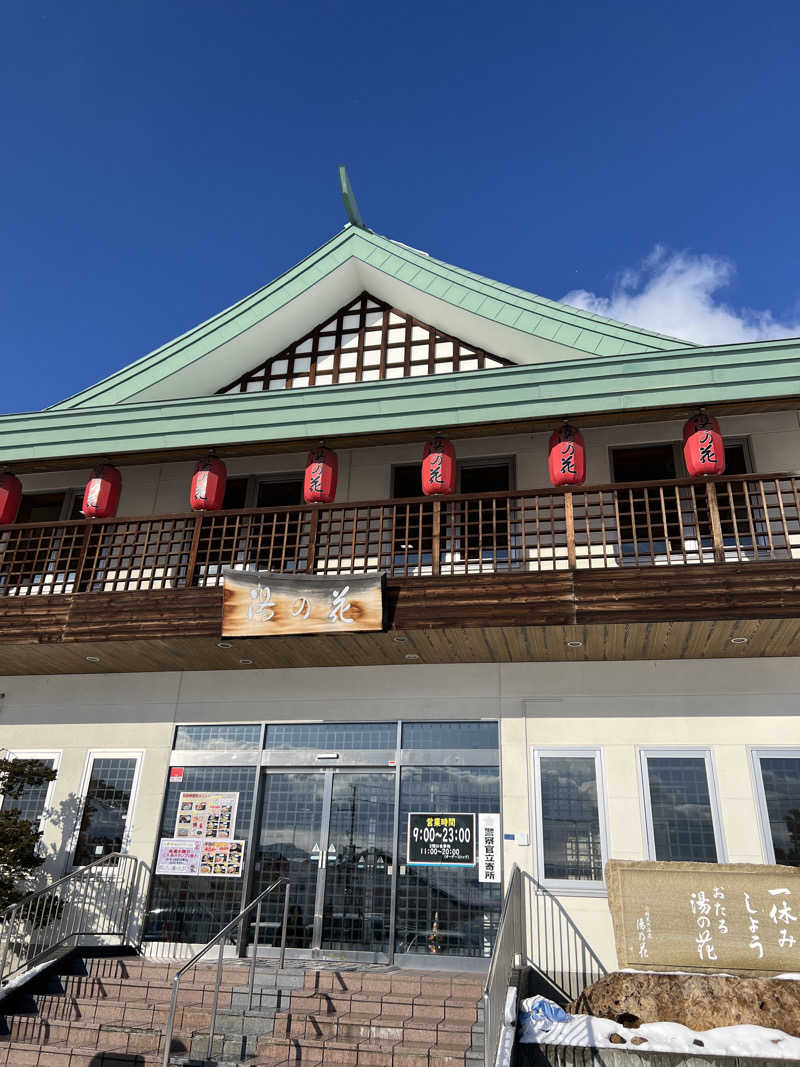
(506, 321)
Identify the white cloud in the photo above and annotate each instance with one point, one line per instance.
(677, 293)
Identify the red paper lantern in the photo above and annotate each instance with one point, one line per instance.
(10, 496)
(438, 467)
(208, 485)
(322, 473)
(567, 459)
(102, 493)
(703, 447)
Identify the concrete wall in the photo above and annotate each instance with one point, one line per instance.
(616, 707)
(365, 473)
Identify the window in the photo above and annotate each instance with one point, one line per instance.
(221, 738)
(250, 491)
(280, 493)
(681, 811)
(485, 522)
(446, 909)
(413, 531)
(50, 507)
(652, 521)
(475, 531)
(642, 513)
(109, 790)
(34, 801)
(235, 494)
(570, 817)
(777, 775)
(449, 735)
(330, 737)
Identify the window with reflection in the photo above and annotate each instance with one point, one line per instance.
(106, 808)
(32, 799)
(569, 806)
(678, 800)
(333, 736)
(450, 735)
(221, 737)
(446, 910)
(780, 783)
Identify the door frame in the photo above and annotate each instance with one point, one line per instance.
(316, 951)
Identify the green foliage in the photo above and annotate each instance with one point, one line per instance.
(18, 837)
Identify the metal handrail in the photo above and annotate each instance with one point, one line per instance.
(60, 911)
(508, 953)
(220, 937)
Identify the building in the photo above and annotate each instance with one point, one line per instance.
(609, 668)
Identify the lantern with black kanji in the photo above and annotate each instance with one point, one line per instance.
(208, 485)
(10, 496)
(322, 473)
(703, 447)
(567, 456)
(101, 497)
(438, 467)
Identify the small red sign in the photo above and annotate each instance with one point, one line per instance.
(176, 774)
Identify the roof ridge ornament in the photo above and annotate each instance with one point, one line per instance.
(349, 200)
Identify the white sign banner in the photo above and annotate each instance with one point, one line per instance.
(208, 816)
(489, 847)
(179, 856)
(222, 859)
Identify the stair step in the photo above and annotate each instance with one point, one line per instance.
(139, 1013)
(351, 1053)
(424, 1007)
(114, 1010)
(380, 1027)
(22, 1054)
(405, 982)
(84, 1035)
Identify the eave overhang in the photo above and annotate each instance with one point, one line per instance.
(604, 387)
(506, 321)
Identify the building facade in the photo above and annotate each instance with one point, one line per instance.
(582, 672)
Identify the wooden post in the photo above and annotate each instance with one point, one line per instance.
(191, 566)
(569, 523)
(716, 525)
(437, 535)
(312, 542)
(87, 533)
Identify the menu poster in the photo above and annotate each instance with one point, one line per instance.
(178, 856)
(222, 859)
(210, 816)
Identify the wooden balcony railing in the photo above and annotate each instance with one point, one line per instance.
(727, 520)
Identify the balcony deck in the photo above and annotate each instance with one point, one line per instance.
(502, 576)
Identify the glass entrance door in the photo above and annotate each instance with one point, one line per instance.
(357, 900)
(330, 833)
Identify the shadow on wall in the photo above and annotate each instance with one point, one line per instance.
(562, 960)
(64, 819)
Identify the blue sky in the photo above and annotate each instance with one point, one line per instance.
(164, 159)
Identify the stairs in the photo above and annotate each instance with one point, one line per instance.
(108, 1011)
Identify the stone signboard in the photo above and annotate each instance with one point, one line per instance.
(741, 918)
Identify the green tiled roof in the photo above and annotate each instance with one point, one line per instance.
(503, 304)
(684, 377)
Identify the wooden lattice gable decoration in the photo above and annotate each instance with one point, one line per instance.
(365, 341)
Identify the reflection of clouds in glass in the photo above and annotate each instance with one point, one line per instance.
(781, 778)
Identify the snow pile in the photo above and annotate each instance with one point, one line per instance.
(544, 1023)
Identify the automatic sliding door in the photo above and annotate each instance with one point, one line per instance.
(358, 885)
(291, 820)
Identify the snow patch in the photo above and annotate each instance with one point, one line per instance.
(591, 1032)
